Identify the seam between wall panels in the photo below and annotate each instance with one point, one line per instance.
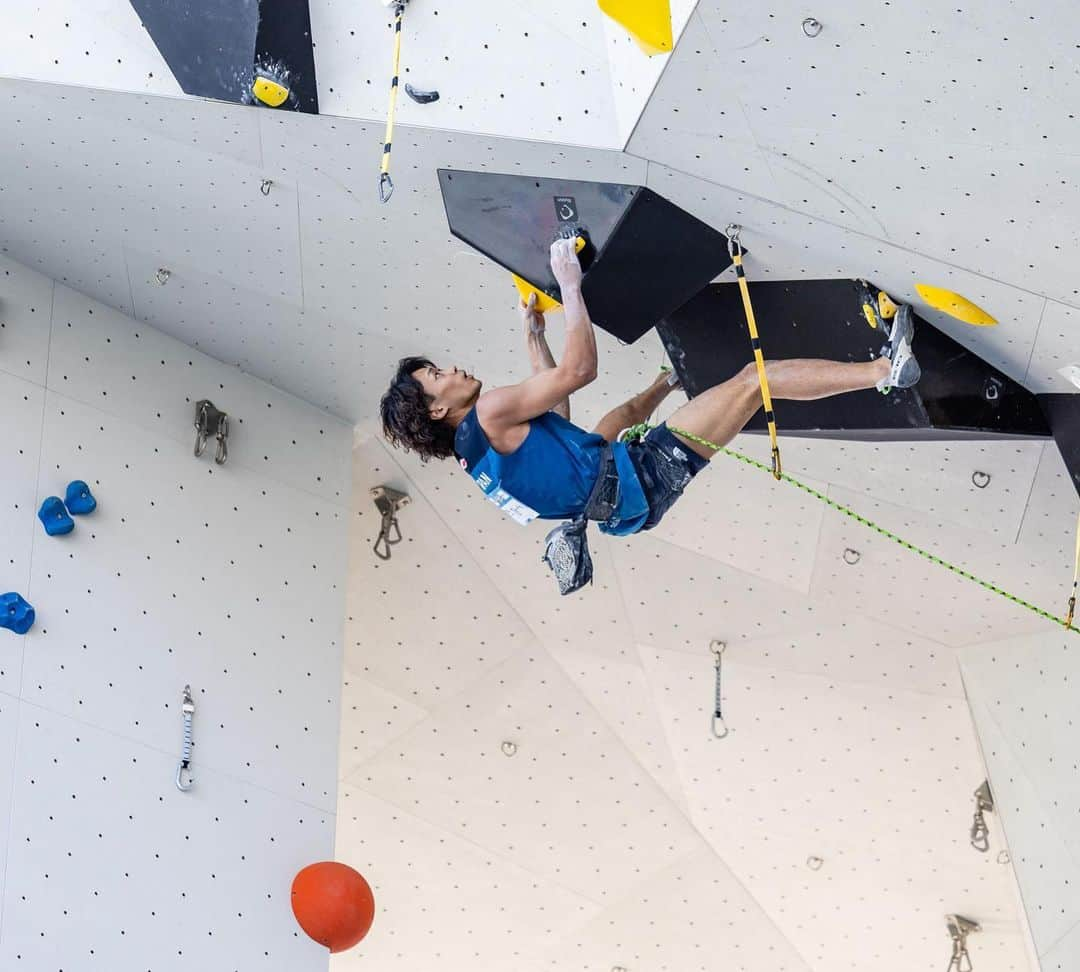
(660, 77)
(859, 233)
(1035, 340)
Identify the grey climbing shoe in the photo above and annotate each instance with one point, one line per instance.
(905, 370)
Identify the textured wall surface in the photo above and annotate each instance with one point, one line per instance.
(228, 578)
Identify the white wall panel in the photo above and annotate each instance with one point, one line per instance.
(934, 479)
(9, 733)
(443, 900)
(1012, 687)
(99, 42)
(691, 125)
(113, 363)
(680, 600)
(896, 770)
(454, 628)
(532, 70)
(1057, 346)
(25, 320)
(22, 406)
(213, 577)
(901, 588)
(633, 73)
(1050, 512)
(972, 155)
(694, 915)
(571, 806)
(228, 578)
(111, 866)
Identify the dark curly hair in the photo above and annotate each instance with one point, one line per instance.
(406, 421)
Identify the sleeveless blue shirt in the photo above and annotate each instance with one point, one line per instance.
(551, 474)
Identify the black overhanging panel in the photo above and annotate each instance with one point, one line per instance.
(211, 46)
(644, 256)
(1063, 413)
(959, 395)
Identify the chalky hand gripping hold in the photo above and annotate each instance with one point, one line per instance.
(15, 614)
(54, 517)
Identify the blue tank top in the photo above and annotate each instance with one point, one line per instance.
(551, 474)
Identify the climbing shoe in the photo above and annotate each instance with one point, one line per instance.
(905, 370)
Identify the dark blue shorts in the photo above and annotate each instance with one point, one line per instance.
(664, 465)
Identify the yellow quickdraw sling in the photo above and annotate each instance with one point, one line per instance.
(386, 184)
(736, 252)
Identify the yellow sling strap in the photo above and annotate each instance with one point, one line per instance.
(1076, 578)
(386, 184)
(735, 251)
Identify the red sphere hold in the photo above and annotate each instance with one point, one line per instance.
(333, 904)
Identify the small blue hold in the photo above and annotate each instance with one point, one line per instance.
(55, 518)
(15, 614)
(80, 500)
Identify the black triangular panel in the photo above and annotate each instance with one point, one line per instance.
(645, 257)
(211, 46)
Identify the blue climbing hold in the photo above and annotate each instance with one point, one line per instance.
(80, 500)
(55, 518)
(15, 614)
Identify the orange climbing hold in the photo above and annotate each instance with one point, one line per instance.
(333, 904)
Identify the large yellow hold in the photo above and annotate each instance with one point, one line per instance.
(544, 302)
(955, 305)
(648, 21)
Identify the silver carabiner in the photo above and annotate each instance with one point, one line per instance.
(732, 232)
(719, 727)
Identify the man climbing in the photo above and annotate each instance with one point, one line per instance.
(518, 444)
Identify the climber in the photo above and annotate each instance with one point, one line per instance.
(517, 443)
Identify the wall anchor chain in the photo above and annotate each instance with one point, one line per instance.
(184, 781)
(388, 501)
(210, 421)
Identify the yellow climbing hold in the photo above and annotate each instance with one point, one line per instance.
(269, 92)
(954, 305)
(544, 302)
(648, 21)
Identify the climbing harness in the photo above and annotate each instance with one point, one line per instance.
(386, 184)
(984, 803)
(183, 769)
(959, 929)
(209, 421)
(388, 501)
(735, 251)
(851, 556)
(719, 727)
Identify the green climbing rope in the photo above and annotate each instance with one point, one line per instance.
(638, 430)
